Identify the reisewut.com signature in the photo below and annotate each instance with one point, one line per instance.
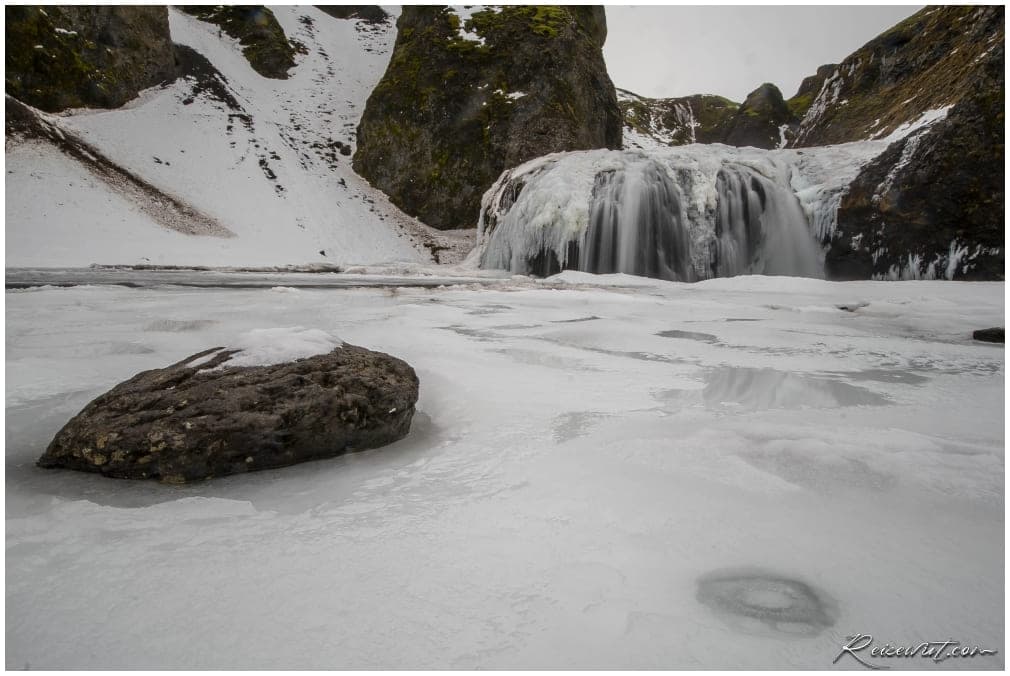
(862, 649)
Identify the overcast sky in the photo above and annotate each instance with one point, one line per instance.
(677, 51)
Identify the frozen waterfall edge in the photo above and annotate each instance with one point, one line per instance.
(682, 214)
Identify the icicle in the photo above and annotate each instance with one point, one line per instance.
(680, 214)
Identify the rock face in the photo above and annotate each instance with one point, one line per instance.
(811, 86)
(465, 97)
(189, 422)
(60, 57)
(931, 205)
(369, 13)
(676, 121)
(926, 62)
(264, 44)
(762, 120)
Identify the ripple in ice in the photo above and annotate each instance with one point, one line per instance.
(756, 601)
(762, 388)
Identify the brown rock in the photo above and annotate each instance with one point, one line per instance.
(184, 423)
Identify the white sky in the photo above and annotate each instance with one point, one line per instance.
(676, 51)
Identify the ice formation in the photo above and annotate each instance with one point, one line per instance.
(682, 214)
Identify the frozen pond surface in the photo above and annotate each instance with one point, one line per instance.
(606, 473)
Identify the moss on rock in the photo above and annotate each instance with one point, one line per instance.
(464, 99)
(60, 57)
(264, 44)
(925, 62)
(369, 13)
(932, 194)
(760, 120)
(702, 118)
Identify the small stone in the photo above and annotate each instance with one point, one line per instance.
(993, 335)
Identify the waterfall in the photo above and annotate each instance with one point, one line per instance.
(680, 214)
(637, 225)
(760, 228)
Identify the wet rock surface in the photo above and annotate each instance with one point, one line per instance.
(201, 418)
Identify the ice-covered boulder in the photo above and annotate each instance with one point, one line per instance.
(277, 397)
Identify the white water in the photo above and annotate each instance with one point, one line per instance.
(682, 214)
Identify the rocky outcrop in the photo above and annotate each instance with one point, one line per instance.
(926, 62)
(369, 13)
(60, 57)
(264, 44)
(678, 121)
(931, 205)
(465, 97)
(762, 120)
(811, 86)
(200, 418)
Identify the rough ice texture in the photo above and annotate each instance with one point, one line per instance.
(570, 478)
(709, 210)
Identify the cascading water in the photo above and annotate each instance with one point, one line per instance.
(682, 214)
(760, 228)
(656, 245)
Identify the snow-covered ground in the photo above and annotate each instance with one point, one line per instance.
(586, 451)
(264, 164)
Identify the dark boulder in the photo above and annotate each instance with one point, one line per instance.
(193, 421)
(993, 335)
(466, 97)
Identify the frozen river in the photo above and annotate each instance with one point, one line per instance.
(613, 472)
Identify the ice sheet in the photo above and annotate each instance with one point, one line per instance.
(579, 471)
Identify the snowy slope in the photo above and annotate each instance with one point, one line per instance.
(259, 156)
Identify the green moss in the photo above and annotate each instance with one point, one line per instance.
(800, 104)
(43, 67)
(544, 20)
(263, 42)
